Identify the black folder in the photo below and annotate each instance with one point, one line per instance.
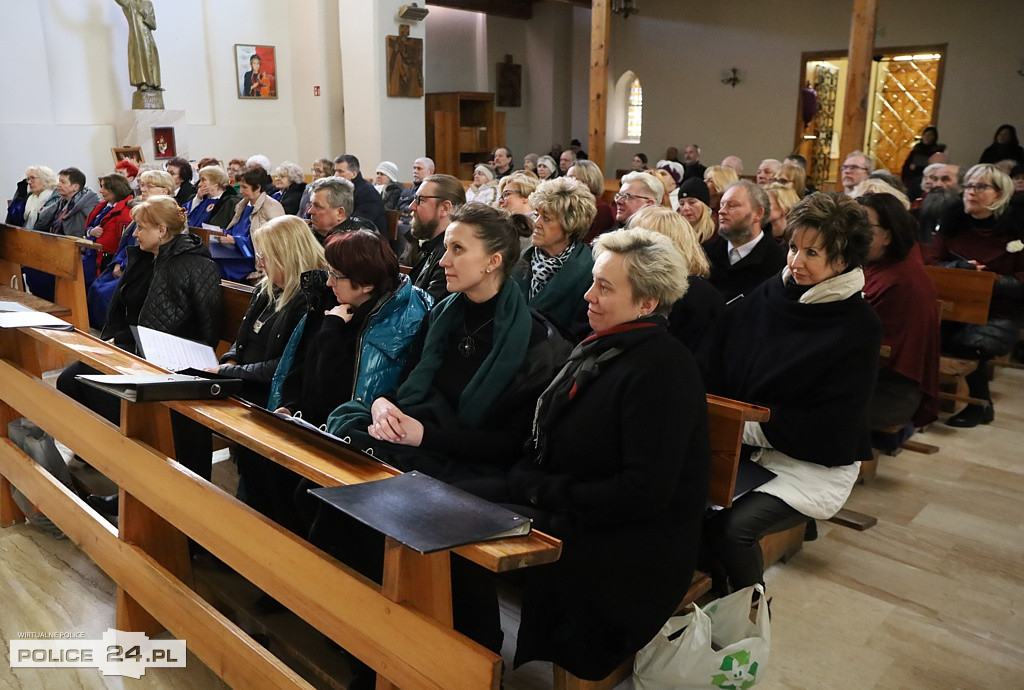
(157, 387)
(749, 476)
(424, 513)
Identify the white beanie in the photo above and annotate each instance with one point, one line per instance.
(390, 169)
(486, 170)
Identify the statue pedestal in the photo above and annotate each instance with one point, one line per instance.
(135, 128)
(148, 100)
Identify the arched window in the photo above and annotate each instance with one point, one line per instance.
(635, 109)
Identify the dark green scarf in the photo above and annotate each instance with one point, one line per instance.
(512, 327)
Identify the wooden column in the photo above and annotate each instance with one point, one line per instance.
(858, 77)
(600, 23)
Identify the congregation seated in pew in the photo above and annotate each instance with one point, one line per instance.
(979, 234)
(804, 344)
(904, 297)
(101, 292)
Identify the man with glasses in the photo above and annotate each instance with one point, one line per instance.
(638, 190)
(322, 167)
(854, 170)
(330, 208)
(438, 196)
(742, 256)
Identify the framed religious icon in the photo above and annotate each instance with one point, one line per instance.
(132, 153)
(405, 64)
(510, 84)
(256, 71)
(163, 143)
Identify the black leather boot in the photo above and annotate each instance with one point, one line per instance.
(107, 505)
(972, 416)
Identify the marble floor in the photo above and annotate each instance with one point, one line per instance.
(931, 597)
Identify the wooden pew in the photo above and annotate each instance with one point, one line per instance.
(236, 301)
(965, 296)
(402, 629)
(726, 419)
(57, 255)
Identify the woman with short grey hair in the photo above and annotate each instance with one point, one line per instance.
(42, 182)
(290, 181)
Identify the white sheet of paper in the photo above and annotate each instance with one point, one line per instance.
(212, 228)
(13, 306)
(32, 319)
(171, 352)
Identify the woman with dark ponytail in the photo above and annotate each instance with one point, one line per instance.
(465, 407)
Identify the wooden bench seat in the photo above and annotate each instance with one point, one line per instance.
(403, 628)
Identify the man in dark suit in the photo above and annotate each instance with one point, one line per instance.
(742, 256)
(368, 202)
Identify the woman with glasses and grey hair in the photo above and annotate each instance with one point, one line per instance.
(984, 233)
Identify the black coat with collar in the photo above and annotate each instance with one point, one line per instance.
(186, 191)
(428, 273)
(765, 260)
(184, 297)
(624, 487)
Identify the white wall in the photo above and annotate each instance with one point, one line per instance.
(69, 79)
(464, 48)
(680, 51)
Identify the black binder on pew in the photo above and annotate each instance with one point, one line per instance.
(157, 387)
(424, 513)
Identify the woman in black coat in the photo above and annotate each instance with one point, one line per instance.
(618, 469)
(804, 344)
(172, 285)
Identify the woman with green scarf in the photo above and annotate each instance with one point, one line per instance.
(555, 272)
(465, 408)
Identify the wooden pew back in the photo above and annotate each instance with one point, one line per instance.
(965, 294)
(54, 254)
(236, 301)
(726, 419)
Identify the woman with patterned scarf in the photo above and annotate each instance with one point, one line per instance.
(555, 272)
(617, 468)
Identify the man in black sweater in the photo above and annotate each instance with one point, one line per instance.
(368, 202)
(742, 256)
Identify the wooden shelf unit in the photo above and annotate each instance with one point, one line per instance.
(462, 128)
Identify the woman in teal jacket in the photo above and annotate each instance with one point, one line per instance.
(352, 344)
(555, 272)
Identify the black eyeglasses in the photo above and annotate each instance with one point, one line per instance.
(978, 187)
(420, 197)
(337, 276)
(853, 167)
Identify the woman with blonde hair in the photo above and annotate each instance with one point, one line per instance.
(670, 185)
(514, 197)
(783, 198)
(694, 200)
(215, 199)
(718, 178)
(555, 271)
(589, 173)
(285, 249)
(695, 312)
(42, 182)
(793, 177)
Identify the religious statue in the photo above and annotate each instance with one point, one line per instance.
(143, 60)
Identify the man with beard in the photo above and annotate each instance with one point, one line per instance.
(330, 210)
(740, 256)
(854, 170)
(941, 186)
(691, 163)
(438, 196)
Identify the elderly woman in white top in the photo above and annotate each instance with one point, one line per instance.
(484, 189)
(42, 183)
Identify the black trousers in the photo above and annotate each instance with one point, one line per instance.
(732, 536)
(193, 444)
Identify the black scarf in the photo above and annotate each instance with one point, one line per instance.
(585, 364)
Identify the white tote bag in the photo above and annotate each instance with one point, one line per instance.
(719, 647)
